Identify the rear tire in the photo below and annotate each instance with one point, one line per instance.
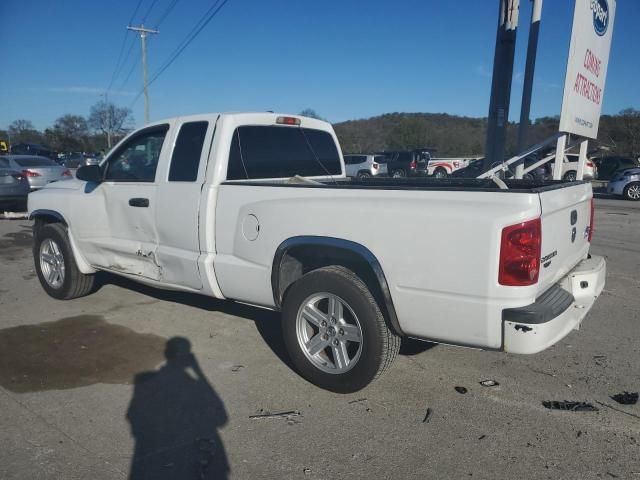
(570, 176)
(325, 309)
(364, 175)
(632, 191)
(56, 266)
(440, 173)
(398, 174)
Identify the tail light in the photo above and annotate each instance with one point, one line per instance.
(375, 166)
(67, 173)
(520, 254)
(30, 173)
(456, 164)
(593, 211)
(413, 165)
(589, 164)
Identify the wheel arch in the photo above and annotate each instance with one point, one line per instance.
(297, 256)
(47, 216)
(43, 217)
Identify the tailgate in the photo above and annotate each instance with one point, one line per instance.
(566, 214)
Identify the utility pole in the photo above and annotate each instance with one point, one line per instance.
(108, 107)
(501, 82)
(143, 35)
(525, 109)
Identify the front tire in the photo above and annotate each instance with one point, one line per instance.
(335, 332)
(56, 266)
(398, 174)
(632, 191)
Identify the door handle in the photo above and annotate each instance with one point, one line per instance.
(138, 202)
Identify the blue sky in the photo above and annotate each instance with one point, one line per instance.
(346, 59)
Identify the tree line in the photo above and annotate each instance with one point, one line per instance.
(454, 136)
(450, 135)
(105, 125)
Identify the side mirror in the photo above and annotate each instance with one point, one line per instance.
(89, 173)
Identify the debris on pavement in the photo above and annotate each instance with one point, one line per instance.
(427, 416)
(481, 437)
(489, 383)
(287, 415)
(617, 409)
(626, 398)
(461, 390)
(237, 368)
(542, 372)
(306, 471)
(357, 401)
(569, 406)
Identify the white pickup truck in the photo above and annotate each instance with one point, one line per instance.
(255, 207)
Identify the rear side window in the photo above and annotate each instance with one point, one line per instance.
(404, 157)
(35, 162)
(186, 154)
(259, 151)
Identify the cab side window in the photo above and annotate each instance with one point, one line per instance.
(137, 160)
(185, 160)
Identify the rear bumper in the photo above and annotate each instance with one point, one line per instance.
(554, 314)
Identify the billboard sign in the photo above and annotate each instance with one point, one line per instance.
(587, 66)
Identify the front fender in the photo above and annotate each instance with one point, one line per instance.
(51, 216)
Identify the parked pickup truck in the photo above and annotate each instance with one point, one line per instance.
(255, 207)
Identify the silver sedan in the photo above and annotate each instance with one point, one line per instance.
(626, 183)
(14, 188)
(38, 170)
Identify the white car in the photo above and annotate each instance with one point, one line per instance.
(365, 165)
(570, 168)
(256, 208)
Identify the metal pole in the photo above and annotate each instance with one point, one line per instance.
(582, 159)
(525, 109)
(557, 164)
(501, 82)
(143, 44)
(108, 107)
(143, 36)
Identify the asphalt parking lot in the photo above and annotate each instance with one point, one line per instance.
(72, 405)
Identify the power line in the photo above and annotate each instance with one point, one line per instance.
(153, 3)
(134, 12)
(126, 79)
(200, 25)
(164, 14)
(115, 70)
(124, 60)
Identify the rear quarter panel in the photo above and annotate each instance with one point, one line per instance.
(439, 250)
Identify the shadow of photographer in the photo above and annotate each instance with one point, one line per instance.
(175, 415)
